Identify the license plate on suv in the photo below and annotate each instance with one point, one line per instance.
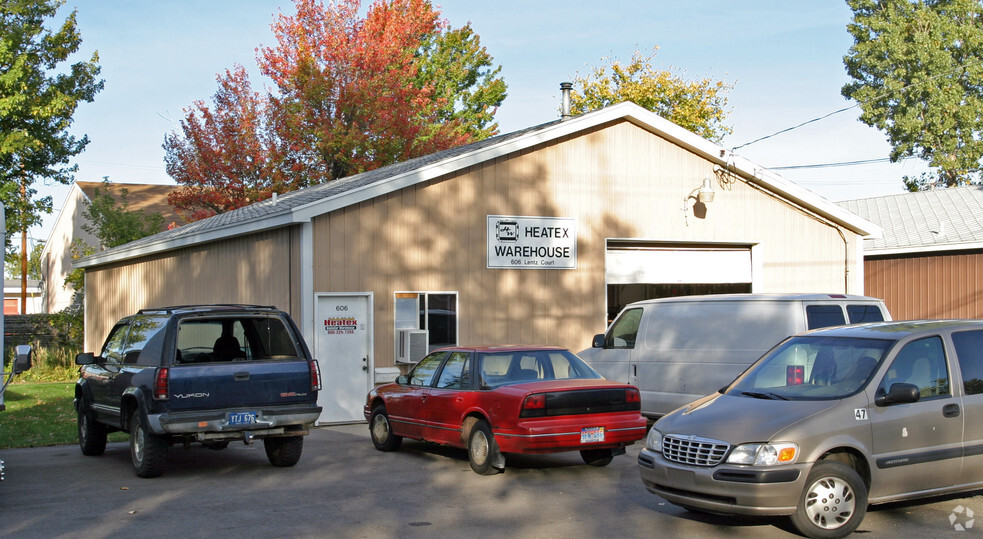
(589, 435)
(242, 418)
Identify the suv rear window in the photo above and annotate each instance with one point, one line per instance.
(242, 338)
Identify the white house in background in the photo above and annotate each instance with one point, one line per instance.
(12, 296)
(56, 258)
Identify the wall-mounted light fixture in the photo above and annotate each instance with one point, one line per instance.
(703, 195)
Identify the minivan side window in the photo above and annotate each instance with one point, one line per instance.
(821, 316)
(624, 331)
(969, 348)
(921, 363)
(860, 314)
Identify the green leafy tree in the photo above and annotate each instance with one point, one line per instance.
(38, 97)
(917, 74)
(12, 262)
(697, 105)
(460, 71)
(112, 221)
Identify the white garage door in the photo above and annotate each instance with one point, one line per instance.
(678, 265)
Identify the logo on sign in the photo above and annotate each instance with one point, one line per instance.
(341, 323)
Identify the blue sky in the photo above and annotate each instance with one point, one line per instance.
(783, 56)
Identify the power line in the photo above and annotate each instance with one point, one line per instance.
(955, 69)
(840, 164)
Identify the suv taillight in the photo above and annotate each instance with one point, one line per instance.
(161, 383)
(315, 375)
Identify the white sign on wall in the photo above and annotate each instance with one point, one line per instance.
(531, 242)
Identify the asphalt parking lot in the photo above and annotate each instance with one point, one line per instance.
(342, 487)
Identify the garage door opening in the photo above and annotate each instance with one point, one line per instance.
(636, 271)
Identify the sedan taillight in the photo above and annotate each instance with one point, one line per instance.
(534, 406)
(315, 375)
(161, 381)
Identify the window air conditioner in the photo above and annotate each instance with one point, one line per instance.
(411, 345)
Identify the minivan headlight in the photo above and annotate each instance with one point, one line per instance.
(764, 454)
(654, 440)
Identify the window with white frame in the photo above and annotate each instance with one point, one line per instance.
(434, 312)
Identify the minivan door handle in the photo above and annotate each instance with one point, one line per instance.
(950, 410)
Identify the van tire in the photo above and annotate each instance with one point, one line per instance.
(597, 457)
(833, 503)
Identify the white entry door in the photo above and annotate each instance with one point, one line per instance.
(343, 348)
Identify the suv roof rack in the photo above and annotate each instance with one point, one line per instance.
(204, 307)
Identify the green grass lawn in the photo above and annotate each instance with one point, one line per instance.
(40, 414)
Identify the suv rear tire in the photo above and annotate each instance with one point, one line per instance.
(147, 450)
(284, 452)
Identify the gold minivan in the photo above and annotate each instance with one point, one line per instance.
(828, 422)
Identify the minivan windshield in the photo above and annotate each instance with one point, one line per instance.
(812, 368)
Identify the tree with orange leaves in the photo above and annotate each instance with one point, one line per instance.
(350, 94)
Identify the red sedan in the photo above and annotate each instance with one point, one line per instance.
(507, 399)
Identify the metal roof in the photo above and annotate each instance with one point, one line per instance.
(304, 204)
(924, 221)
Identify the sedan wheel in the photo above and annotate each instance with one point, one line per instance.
(381, 431)
(834, 502)
(482, 449)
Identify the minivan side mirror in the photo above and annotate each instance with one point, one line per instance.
(899, 393)
(598, 341)
(23, 358)
(85, 358)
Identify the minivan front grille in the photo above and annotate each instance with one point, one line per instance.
(694, 451)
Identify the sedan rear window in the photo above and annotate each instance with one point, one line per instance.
(499, 369)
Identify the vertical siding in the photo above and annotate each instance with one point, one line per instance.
(256, 269)
(617, 181)
(938, 286)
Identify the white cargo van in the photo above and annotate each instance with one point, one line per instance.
(679, 349)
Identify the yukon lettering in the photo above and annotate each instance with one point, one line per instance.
(192, 396)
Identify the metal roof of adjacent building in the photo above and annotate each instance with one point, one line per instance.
(937, 220)
(303, 205)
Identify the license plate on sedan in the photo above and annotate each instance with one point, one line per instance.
(590, 435)
(242, 418)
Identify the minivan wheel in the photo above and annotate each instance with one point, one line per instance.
(833, 503)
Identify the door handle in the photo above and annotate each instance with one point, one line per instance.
(950, 410)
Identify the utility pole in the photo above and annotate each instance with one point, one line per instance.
(23, 249)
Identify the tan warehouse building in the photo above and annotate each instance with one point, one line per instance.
(537, 236)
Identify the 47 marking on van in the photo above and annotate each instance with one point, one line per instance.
(860, 414)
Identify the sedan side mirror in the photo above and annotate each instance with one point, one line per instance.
(598, 341)
(402, 379)
(23, 358)
(899, 393)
